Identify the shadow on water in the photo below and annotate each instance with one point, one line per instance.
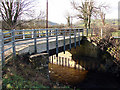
(93, 72)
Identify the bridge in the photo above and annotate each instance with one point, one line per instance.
(52, 41)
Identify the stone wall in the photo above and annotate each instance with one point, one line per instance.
(39, 61)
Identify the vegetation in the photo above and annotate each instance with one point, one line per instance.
(12, 81)
(18, 73)
(12, 12)
(88, 9)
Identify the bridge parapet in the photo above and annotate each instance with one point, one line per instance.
(36, 40)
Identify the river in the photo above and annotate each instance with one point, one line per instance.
(82, 78)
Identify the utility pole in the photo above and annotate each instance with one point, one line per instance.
(47, 14)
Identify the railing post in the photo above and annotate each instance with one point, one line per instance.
(23, 34)
(75, 38)
(2, 47)
(56, 43)
(70, 39)
(13, 42)
(47, 44)
(35, 41)
(64, 41)
(79, 36)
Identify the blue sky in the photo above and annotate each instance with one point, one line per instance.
(58, 9)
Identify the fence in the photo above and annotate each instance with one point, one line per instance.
(10, 40)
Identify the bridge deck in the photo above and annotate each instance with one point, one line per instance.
(25, 47)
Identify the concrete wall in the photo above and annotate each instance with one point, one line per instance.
(41, 47)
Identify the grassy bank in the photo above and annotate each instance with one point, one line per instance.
(19, 73)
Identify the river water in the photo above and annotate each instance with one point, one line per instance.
(66, 75)
(82, 78)
(90, 71)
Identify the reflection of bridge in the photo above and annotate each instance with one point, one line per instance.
(39, 40)
(65, 60)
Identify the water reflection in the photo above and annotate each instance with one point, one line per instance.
(66, 75)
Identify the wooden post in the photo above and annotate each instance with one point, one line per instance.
(56, 43)
(47, 46)
(70, 39)
(2, 47)
(64, 41)
(75, 38)
(13, 42)
(35, 41)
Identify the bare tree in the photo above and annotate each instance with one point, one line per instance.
(101, 12)
(87, 9)
(68, 20)
(12, 10)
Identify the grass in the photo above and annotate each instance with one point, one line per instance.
(13, 81)
(18, 73)
(117, 33)
(15, 73)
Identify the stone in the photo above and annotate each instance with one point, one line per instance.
(39, 60)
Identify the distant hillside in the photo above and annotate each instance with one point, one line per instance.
(107, 21)
(52, 23)
(33, 24)
(40, 22)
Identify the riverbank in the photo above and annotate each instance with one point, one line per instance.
(18, 73)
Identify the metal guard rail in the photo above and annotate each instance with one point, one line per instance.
(10, 37)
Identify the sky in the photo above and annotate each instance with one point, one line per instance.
(58, 9)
